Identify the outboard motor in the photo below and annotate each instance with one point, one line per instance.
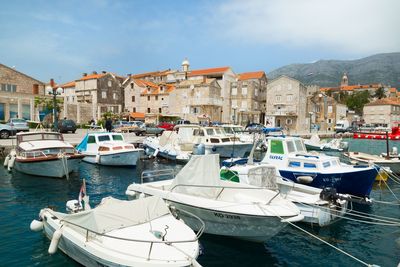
(199, 149)
(329, 194)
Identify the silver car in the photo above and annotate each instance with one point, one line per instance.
(6, 131)
(20, 125)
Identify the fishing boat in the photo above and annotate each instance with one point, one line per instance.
(170, 146)
(334, 145)
(142, 232)
(367, 159)
(43, 154)
(379, 135)
(321, 207)
(227, 208)
(108, 149)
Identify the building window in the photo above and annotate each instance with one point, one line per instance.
(330, 109)
(288, 121)
(244, 104)
(131, 85)
(148, 110)
(289, 98)
(156, 97)
(329, 120)
(234, 103)
(256, 92)
(115, 96)
(244, 90)
(159, 110)
(104, 94)
(133, 98)
(278, 98)
(234, 91)
(109, 83)
(195, 110)
(148, 98)
(9, 87)
(134, 109)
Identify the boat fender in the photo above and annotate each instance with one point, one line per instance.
(305, 179)
(142, 195)
(156, 152)
(214, 149)
(11, 162)
(6, 160)
(36, 225)
(54, 241)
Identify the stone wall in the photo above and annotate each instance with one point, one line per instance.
(24, 84)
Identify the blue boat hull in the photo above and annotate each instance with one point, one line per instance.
(358, 183)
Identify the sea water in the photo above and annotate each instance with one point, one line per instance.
(22, 197)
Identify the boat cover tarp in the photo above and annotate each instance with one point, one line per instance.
(114, 214)
(185, 134)
(168, 137)
(83, 144)
(201, 170)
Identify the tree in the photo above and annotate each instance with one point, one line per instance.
(47, 103)
(357, 101)
(379, 93)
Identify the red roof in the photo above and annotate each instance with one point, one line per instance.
(385, 101)
(91, 76)
(137, 115)
(155, 89)
(208, 71)
(251, 75)
(68, 85)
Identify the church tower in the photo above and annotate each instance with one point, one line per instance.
(345, 80)
(185, 65)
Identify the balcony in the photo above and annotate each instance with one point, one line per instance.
(205, 101)
(283, 112)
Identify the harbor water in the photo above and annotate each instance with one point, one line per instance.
(22, 197)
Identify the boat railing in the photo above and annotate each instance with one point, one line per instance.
(227, 187)
(164, 174)
(167, 242)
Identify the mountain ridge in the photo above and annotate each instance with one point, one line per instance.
(379, 68)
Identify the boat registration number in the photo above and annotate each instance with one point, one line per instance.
(227, 216)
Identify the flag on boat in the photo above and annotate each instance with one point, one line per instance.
(82, 192)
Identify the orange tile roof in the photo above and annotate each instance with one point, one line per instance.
(385, 101)
(251, 75)
(68, 85)
(208, 71)
(393, 90)
(137, 115)
(153, 73)
(91, 76)
(154, 88)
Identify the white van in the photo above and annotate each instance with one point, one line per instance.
(341, 126)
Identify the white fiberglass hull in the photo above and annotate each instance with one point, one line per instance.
(229, 150)
(103, 251)
(49, 168)
(245, 216)
(126, 158)
(364, 158)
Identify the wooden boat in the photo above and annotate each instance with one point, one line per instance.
(368, 159)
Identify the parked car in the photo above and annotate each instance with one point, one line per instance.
(65, 126)
(20, 125)
(6, 131)
(182, 122)
(166, 126)
(153, 129)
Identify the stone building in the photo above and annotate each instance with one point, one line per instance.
(17, 94)
(286, 104)
(224, 76)
(248, 98)
(383, 112)
(197, 100)
(103, 91)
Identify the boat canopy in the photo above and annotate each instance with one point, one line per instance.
(114, 214)
(201, 170)
(168, 137)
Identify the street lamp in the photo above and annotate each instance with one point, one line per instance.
(310, 113)
(234, 114)
(54, 93)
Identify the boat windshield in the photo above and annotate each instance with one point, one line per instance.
(40, 136)
(210, 131)
(117, 137)
(229, 130)
(103, 138)
(219, 131)
(300, 146)
(237, 129)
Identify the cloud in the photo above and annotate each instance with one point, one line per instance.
(356, 26)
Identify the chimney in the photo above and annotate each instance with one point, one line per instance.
(104, 72)
(52, 82)
(94, 72)
(84, 74)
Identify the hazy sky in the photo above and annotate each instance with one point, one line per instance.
(63, 39)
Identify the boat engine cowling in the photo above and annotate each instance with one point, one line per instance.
(73, 206)
(329, 194)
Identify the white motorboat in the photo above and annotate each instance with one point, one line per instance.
(109, 149)
(320, 207)
(227, 208)
(367, 159)
(170, 146)
(334, 145)
(43, 154)
(142, 232)
(238, 132)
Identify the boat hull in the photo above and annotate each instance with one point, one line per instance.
(229, 151)
(49, 168)
(358, 183)
(150, 150)
(241, 226)
(128, 158)
(366, 159)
